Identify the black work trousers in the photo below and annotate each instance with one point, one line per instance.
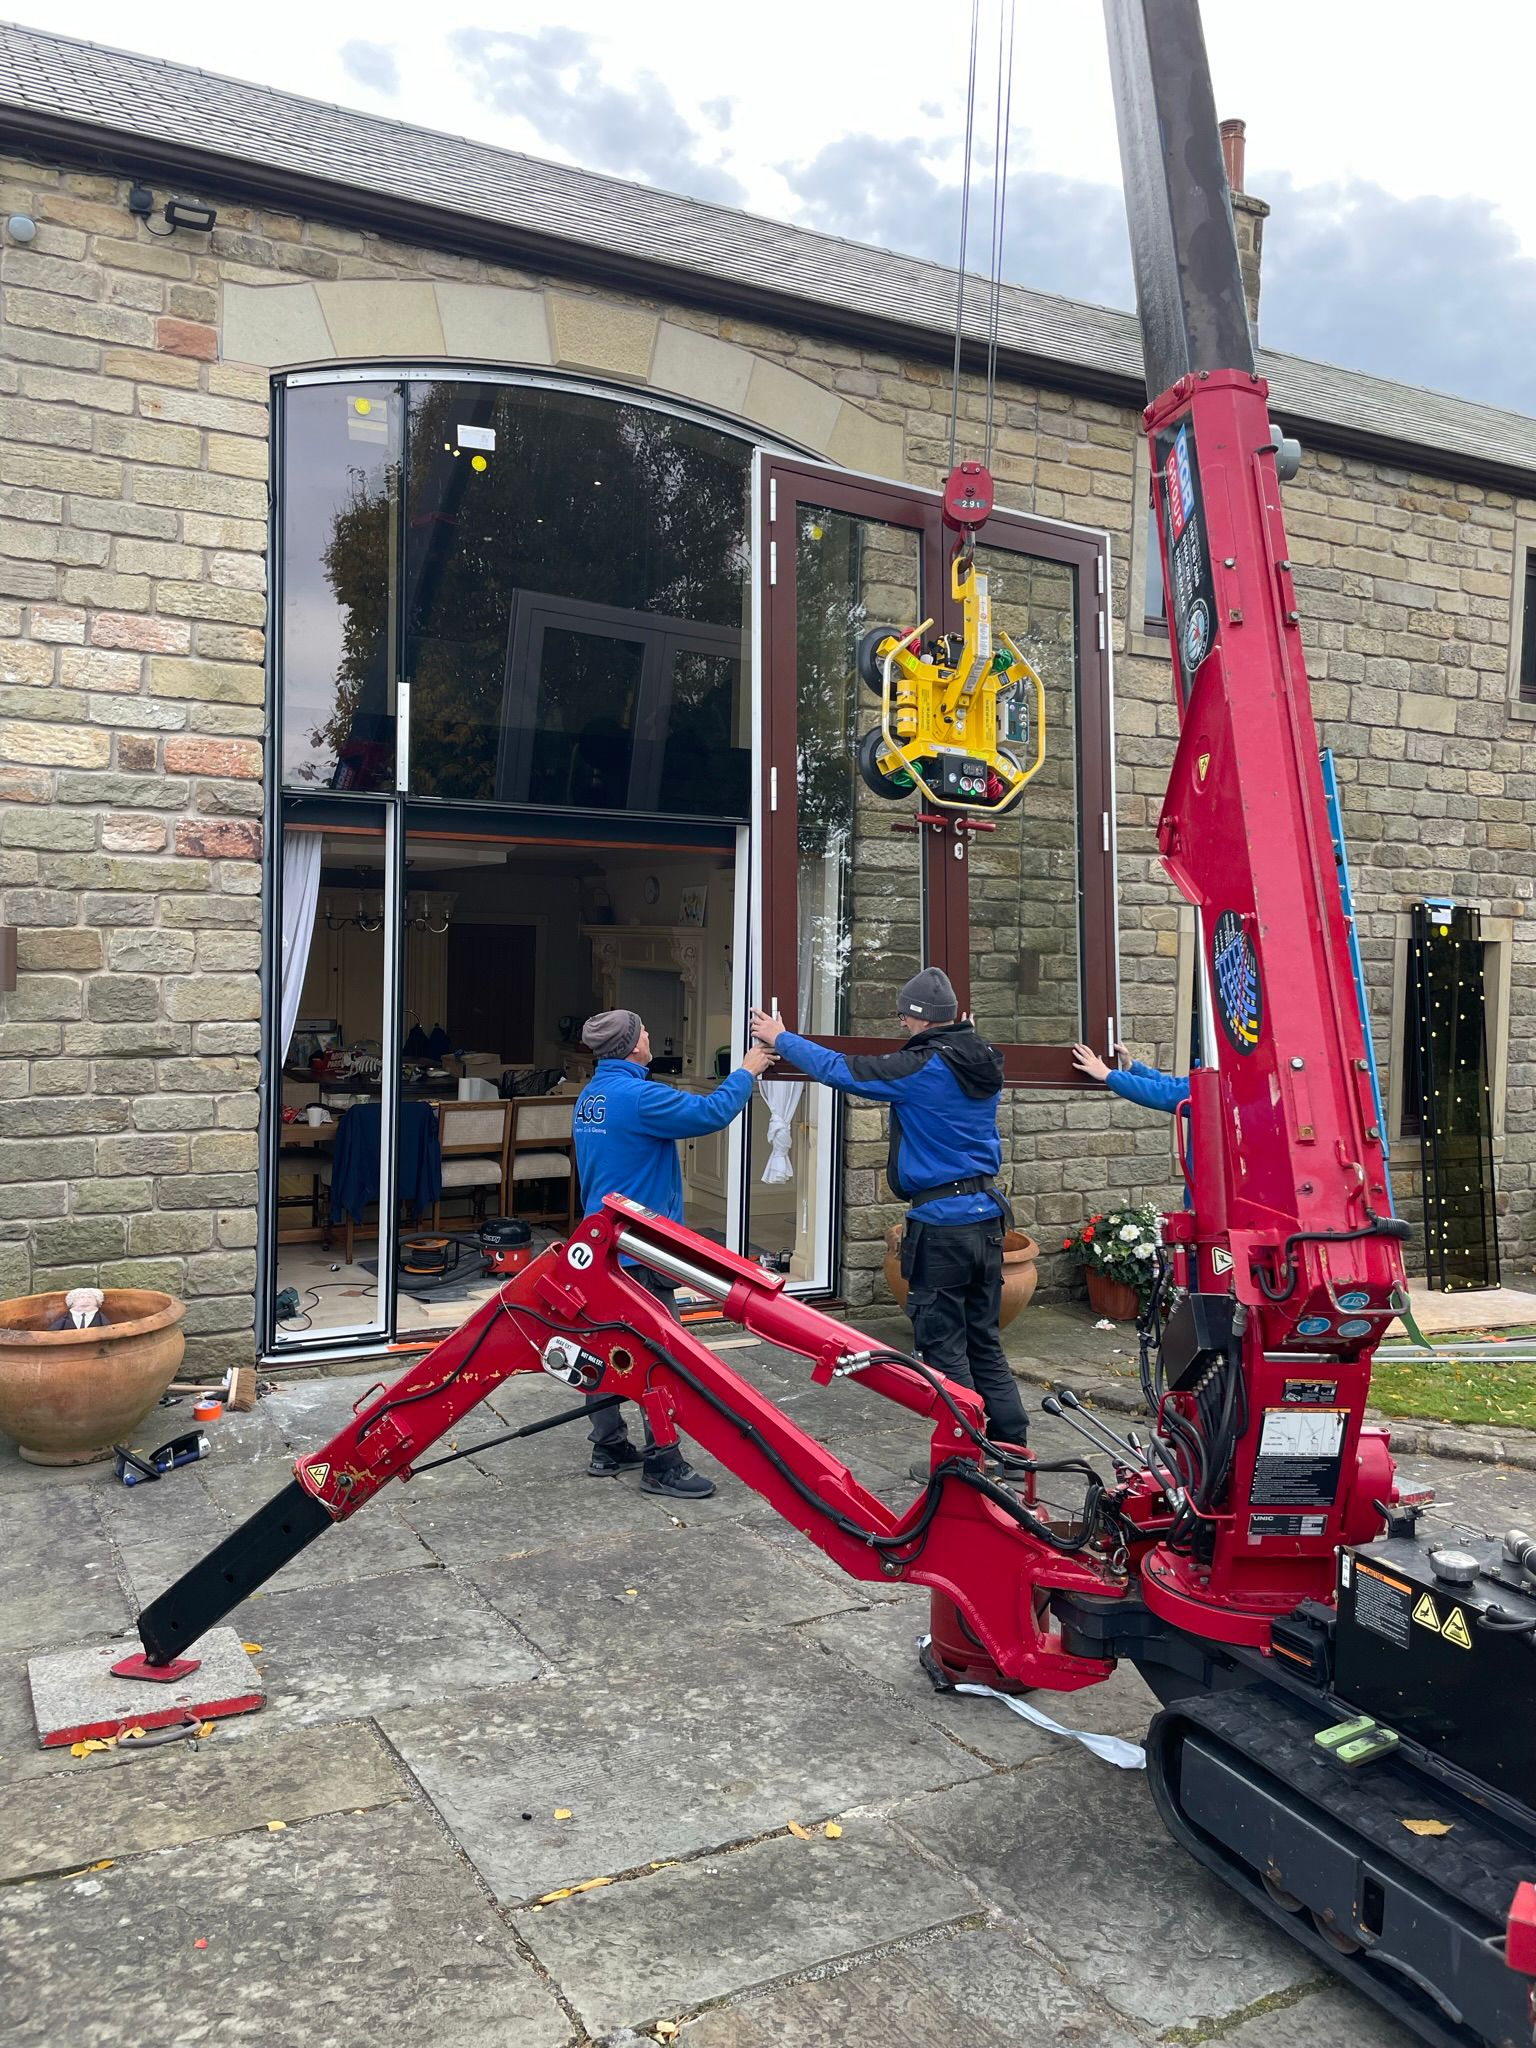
(955, 1293)
(608, 1424)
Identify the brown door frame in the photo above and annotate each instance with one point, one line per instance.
(786, 484)
(1086, 554)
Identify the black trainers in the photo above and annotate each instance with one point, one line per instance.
(608, 1460)
(677, 1481)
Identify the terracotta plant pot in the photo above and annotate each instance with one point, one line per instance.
(1112, 1298)
(67, 1396)
(1021, 1275)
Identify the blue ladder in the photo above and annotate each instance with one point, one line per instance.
(1341, 856)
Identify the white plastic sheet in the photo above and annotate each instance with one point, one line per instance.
(1114, 1749)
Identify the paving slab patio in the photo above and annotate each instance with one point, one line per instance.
(655, 1758)
(358, 1927)
(466, 1651)
(191, 1792)
(638, 1952)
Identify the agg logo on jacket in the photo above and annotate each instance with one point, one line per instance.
(592, 1109)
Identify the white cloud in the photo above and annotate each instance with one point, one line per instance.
(372, 65)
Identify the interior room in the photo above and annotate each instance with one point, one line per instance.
(507, 946)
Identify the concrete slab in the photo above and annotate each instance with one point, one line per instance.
(75, 1696)
(1162, 1943)
(372, 1541)
(339, 1652)
(880, 1642)
(195, 1792)
(671, 1593)
(469, 1530)
(1332, 2017)
(984, 1988)
(314, 1940)
(60, 1581)
(660, 1759)
(161, 1531)
(669, 1941)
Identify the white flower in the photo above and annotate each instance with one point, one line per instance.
(1129, 1233)
(1143, 1251)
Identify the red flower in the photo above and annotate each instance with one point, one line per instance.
(1066, 1244)
(1088, 1235)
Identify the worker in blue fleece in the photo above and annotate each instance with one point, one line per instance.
(627, 1128)
(1133, 1079)
(1137, 1082)
(943, 1088)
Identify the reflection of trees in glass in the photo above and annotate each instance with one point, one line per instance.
(356, 564)
(341, 474)
(609, 504)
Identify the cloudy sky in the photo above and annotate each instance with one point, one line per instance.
(1394, 152)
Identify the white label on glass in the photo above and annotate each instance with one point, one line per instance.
(477, 437)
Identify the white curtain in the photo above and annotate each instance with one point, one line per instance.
(301, 890)
(783, 1099)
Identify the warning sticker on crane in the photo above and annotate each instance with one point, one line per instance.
(1191, 589)
(1235, 969)
(1300, 1452)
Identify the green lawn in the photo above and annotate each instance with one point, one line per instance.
(1474, 1388)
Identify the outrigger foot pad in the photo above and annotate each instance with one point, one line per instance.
(158, 1674)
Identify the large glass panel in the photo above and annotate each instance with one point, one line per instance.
(1024, 892)
(338, 533)
(860, 883)
(533, 513)
(336, 966)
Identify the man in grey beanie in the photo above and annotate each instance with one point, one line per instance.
(945, 1152)
(627, 1128)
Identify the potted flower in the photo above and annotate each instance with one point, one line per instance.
(1118, 1253)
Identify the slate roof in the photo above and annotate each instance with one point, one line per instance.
(143, 113)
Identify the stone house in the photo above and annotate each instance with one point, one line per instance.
(428, 586)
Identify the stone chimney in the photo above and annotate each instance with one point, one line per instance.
(1248, 217)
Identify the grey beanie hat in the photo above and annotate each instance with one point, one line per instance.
(612, 1034)
(930, 994)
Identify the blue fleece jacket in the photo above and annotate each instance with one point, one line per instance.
(627, 1127)
(1144, 1084)
(943, 1089)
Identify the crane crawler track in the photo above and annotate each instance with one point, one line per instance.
(1413, 1922)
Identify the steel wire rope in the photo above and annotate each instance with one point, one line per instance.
(1002, 123)
(965, 214)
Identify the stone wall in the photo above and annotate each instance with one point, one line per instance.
(134, 377)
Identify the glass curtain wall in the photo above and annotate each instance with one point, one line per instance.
(521, 599)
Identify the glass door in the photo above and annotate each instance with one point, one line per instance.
(332, 1077)
(858, 891)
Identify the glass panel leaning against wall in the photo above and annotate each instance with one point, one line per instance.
(1026, 920)
(573, 602)
(338, 532)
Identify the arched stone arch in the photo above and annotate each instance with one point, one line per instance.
(289, 326)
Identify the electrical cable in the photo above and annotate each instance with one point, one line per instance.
(965, 213)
